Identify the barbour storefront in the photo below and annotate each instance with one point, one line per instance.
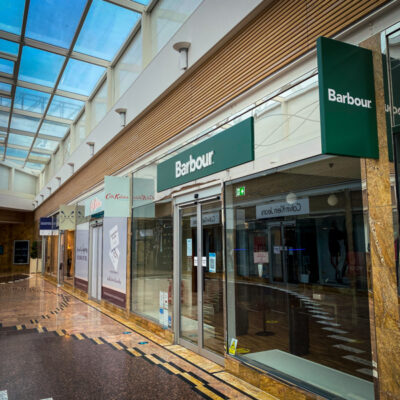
(251, 242)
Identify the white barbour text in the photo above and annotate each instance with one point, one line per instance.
(348, 99)
(194, 164)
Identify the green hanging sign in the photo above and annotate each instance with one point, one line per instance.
(227, 149)
(347, 99)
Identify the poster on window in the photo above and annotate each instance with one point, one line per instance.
(82, 256)
(114, 260)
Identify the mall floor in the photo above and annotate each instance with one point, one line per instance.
(55, 346)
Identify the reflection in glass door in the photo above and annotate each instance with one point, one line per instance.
(284, 258)
(188, 315)
(212, 271)
(201, 277)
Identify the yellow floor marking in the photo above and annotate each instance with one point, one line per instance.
(134, 352)
(117, 346)
(40, 329)
(79, 336)
(60, 332)
(97, 340)
(150, 357)
(192, 379)
(208, 392)
(244, 386)
(171, 368)
(19, 327)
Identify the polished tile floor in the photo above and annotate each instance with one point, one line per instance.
(55, 346)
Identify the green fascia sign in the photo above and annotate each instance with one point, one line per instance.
(225, 150)
(347, 99)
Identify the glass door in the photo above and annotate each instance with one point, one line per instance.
(96, 262)
(201, 319)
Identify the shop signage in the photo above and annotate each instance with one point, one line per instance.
(46, 226)
(82, 256)
(117, 196)
(114, 260)
(94, 204)
(283, 209)
(143, 191)
(67, 218)
(21, 252)
(206, 219)
(227, 149)
(347, 99)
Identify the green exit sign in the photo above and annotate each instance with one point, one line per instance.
(240, 191)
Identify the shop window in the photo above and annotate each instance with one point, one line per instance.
(296, 257)
(152, 251)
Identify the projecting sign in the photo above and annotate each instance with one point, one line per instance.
(117, 191)
(94, 204)
(232, 147)
(46, 226)
(347, 99)
(283, 209)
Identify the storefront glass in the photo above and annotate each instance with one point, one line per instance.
(296, 276)
(51, 254)
(69, 258)
(152, 255)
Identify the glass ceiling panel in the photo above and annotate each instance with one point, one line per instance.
(38, 66)
(4, 119)
(45, 144)
(51, 128)
(80, 77)
(5, 87)
(34, 165)
(6, 66)
(105, 29)
(144, 2)
(16, 152)
(41, 155)
(24, 123)
(1, 150)
(9, 47)
(54, 21)
(63, 107)
(11, 14)
(16, 162)
(30, 100)
(20, 140)
(5, 102)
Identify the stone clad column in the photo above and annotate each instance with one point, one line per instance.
(383, 298)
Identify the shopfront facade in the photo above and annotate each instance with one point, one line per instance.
(270, 267)
(264, 237)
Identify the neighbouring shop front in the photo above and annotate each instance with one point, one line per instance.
(48, 230)
(101, 243)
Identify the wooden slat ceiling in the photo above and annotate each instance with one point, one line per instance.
(282, 32)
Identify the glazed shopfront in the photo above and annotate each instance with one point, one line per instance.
(248, 259)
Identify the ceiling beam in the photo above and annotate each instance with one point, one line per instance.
(60, 74)
(31, 134)
(37, 115)
(130, 5)
(47, 89)
(51, 48)
(41, 151)
(16, 72)
(8, 56)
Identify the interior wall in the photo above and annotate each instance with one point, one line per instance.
(23, 230)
